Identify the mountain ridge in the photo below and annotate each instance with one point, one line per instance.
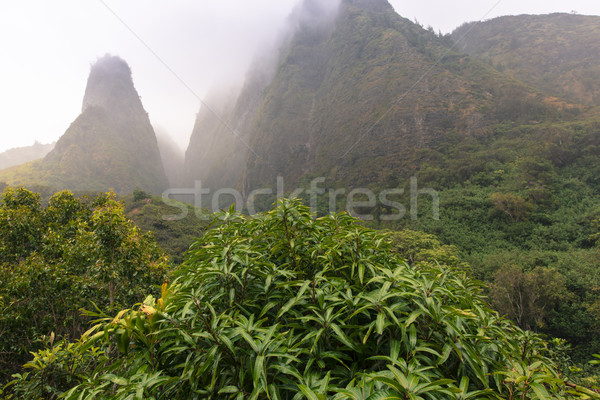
(21, 155)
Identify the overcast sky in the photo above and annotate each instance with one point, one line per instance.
(47, 47)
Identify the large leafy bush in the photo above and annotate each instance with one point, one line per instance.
(282, 305)
(60, 257)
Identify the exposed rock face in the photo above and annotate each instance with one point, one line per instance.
(111, 145)
(354, 100)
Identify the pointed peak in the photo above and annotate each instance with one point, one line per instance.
(109, 84)
(111, 65)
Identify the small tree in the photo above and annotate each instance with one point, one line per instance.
(527, 297)
(57, 259)
(140, 195)
(421, 247)
(512, 205)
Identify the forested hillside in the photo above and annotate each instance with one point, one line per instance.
(557, 53)
(356, 99)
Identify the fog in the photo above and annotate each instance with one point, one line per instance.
(177, 51)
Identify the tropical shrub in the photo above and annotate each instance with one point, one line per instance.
(285, 306)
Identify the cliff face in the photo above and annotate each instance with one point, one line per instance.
(216, 153)
(354, 98)
(220, 141)
(110, 145)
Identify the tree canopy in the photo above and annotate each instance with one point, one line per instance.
(57, 258)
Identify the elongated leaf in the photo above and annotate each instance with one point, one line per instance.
(342, 337)
(412, 317)
(540, 391)
(249, 340)
(386, 394)
(309, 393)
(380, 322)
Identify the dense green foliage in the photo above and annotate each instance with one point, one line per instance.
(557, 53)
(175, 226)
(525, 199)
(282, 305)
(58, 258)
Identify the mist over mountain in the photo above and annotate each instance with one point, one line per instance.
(217, 151)
(557, 53)
(110, 145)
(172, 157)
(20, 155)
(356, 99)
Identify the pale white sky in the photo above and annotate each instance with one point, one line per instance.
(47, 47)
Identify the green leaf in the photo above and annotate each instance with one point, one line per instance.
(412, 317)
(540, 391)
(309, 393)
(386, 394)
(249, 340)
(343, 338)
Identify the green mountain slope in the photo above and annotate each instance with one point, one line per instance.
(110, 145)
(370, 99)
(557, 53)
(355, 100)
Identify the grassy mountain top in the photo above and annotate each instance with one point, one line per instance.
(557, 53)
